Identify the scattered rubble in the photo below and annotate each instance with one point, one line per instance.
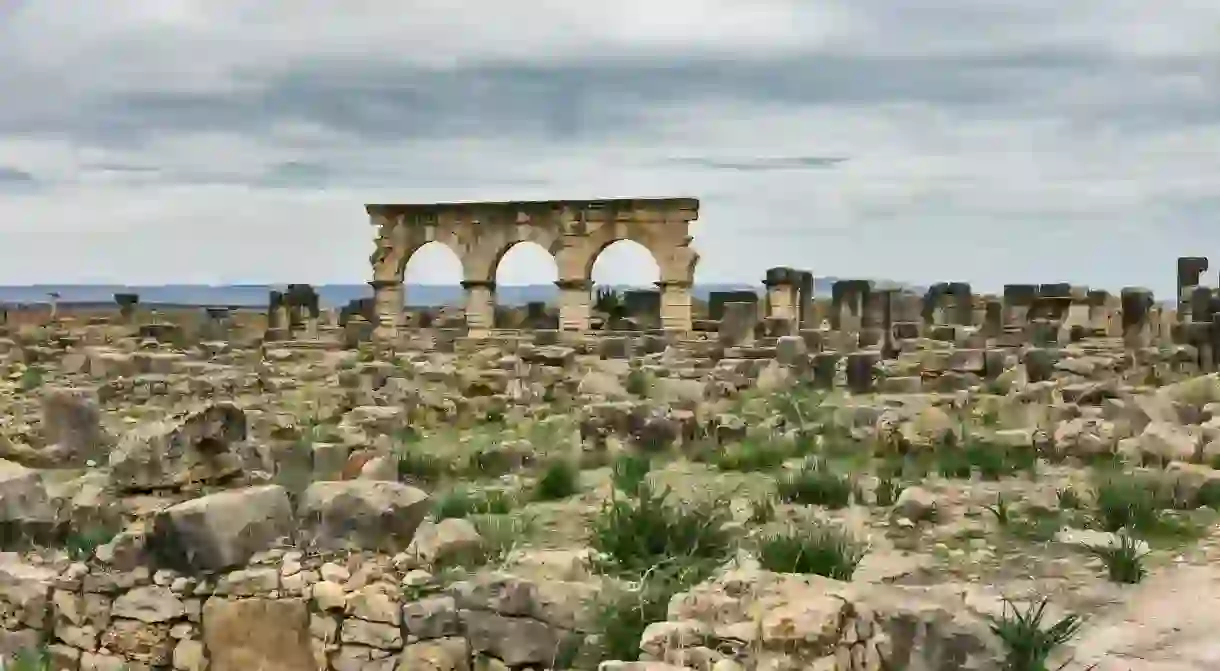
(871, 480)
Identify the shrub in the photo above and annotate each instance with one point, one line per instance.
(815, 484)
(1129, 501)
(1124, 561)
(640, 534)
(1027, 642)
(629, 472)
(463, 502)
(817, 550)
(753, 455)
(560, 480)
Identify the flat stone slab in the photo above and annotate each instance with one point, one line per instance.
(1167, 623)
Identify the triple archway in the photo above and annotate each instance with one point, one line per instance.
(575, 233)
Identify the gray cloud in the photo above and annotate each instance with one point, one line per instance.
(13, 179)
(1025, 140)
(763, 164)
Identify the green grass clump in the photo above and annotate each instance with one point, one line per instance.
(462, 502)
(815, 484)
(888, 490)
(621, 617)
(415, 464)
(1124, 561)
(1001, 510)
(635, 535)
(816, 550)
(629, 472)
(1130, 501)
(1028, 642)
(753, 456)
(1069, 499)
(638, 383)
(37, 659)
(559, 480)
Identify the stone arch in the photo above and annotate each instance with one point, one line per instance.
(636, 305)
(516, 256)
(601, 250)
(435, 249)
(573, 231)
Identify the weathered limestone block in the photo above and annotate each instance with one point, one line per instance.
(861, 371)
(141, 642)
(72, 426)
(262, 634)
(221, 530)
(738, 323)
(1137, 305)
(191, 447)
(361, 514)
(26, 510)
(25, 598)
(825, 368)
(1018, 300)
(443, 654)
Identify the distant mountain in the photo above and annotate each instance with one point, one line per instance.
(332, 295)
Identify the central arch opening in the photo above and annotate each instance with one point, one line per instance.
(625, 293)
(432, 285)
(525, 288)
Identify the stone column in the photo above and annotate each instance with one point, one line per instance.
(1018, 298)
(949, 303)
(574, 308)
(676, 306)
(127, 305)
(805, 297)
(388, 300)
(1189, 270)
(1201, 304)
(933, 312)
(1099, 310)
(277, 317)
(480, 307)
(1078, 312)
(782, 294)
(993, 317)
(847, 305)
(888, 349)
(1137, 312)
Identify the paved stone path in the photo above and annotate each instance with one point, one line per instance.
(1170, 622)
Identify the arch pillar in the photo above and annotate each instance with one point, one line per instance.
(574, 304)
(388, 296)
(676, 305)
(480, 307)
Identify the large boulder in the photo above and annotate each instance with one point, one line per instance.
(26, 510)
(221, 530)
(71, 425)
(361, 515)
(194, 446)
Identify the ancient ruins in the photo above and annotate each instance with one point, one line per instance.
(860, 477)
(575, 232)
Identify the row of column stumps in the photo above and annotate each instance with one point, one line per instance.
(575, 232)
(1047, 312)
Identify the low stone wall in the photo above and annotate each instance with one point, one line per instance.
(302, 613)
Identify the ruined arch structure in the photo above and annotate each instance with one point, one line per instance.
(574, 231)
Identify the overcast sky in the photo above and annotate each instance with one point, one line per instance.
(989, 141)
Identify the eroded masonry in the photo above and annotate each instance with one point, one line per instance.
(575, 232)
